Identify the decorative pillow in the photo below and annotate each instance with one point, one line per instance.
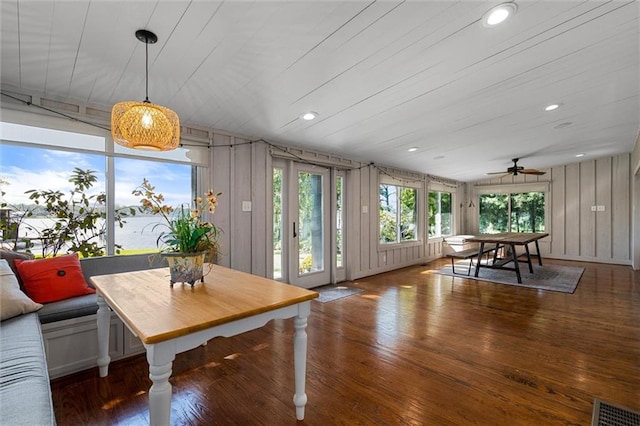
(13, 301)
(11, 256)
(53, 279)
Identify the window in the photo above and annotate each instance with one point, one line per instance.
(139, 233)
(440, 215)
(512, 212)
(34, 227)
(57, 153)
(398, 214)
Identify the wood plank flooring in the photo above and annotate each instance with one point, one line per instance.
(414, 348)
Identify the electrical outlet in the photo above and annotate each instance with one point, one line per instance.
(600, 208)
(246, 206)
(593, 208)
(365, 209)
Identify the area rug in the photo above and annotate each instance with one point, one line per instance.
(547, 277)
(329, 293)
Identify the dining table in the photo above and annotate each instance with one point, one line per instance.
(171, 319)
(509, 241)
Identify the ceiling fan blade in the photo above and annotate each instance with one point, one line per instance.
(496, 173)
(531, 172)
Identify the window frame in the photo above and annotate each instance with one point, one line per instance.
(401, 183)
(544, 187)
(198, 157)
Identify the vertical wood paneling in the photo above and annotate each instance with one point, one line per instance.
(261, 184)
(354, 221)
(374, 219)
(365, 223)
(621, 207)
(241, 257)
(576, 232)
(587, 217)
(558, 210)
(572, 207)
(221, 181)
(603, 187)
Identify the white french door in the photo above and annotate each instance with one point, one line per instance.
(308, 221)
(309, 257)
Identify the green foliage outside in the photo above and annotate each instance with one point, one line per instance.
(277, 209)
(79, 218)
(439, 214)
(518, 212)
(398, 214)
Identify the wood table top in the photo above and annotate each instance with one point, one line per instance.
(156, 311)
(519, 238)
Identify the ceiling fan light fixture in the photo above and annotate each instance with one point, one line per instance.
(143, 125)
(499, 14)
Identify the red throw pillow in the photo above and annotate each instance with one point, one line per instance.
(53, 279)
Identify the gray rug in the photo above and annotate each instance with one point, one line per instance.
(329, 293)
(547, 277)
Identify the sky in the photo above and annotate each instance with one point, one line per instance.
(25, 168)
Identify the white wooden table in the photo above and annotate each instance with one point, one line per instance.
(169, 320)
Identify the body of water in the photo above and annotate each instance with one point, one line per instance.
(136, 234)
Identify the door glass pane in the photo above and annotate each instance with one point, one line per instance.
(339, 212)
(310, 224)
(277, 223)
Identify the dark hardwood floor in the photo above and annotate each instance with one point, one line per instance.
(413, 348)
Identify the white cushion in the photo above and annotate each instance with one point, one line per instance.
(13, 301)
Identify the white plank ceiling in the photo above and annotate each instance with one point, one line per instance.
(383, 75)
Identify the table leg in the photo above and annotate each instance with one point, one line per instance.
(538, 253)
(300, 358)
(514, 256)
(480, 252)
(495, 253)
(160, 357)
(104, 324)
(526, 248)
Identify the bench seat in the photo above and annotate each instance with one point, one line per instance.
(468, 254)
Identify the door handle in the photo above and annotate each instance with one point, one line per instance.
(294, 230)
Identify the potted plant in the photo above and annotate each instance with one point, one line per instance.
(185, 239)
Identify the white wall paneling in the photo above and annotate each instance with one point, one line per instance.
(577, 232)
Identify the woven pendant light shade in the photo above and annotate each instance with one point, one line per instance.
(143, 125)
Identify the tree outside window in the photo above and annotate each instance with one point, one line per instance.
(398, 214)
(514, 212)
(440, 214)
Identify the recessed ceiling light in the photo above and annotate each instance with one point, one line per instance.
(552, 107)
(310, 115)
(439, 157)
(579, 155)
(498, 14)
(412, 149)
(563, 125)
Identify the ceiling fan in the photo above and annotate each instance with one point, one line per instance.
(518, 170)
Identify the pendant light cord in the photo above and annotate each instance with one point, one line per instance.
(146, 49)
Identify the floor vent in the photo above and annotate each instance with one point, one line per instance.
(605, 414)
